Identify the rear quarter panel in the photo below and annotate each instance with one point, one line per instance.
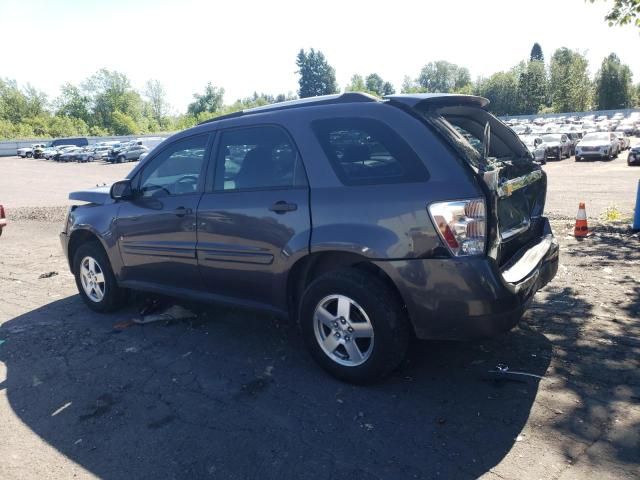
(379, 221)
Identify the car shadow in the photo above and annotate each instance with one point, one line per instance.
(235, 395)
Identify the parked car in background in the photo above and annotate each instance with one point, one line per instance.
(61, 150)
(28, 151)
(70, 154)
(87, 154)
(101, 152)
(557, 145)
(573, 138)
(536, 146)
(360, 279)
(132, 151)
(634, 155)
(77, 141)
(627, 128)
(3, 219)
(598, 145)
(625, 142)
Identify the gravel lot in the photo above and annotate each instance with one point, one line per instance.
(233, 394)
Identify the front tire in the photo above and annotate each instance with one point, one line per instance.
(354, 326)
(95, 279)
(29, 155)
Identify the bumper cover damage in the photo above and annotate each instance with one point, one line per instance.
(475, 298)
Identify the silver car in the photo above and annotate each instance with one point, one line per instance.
(536, 146)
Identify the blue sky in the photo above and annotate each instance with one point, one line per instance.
(245, 45)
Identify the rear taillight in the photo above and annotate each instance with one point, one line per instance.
(462, 225)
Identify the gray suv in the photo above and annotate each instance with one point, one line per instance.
(368, 221)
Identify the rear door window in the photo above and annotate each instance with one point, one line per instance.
(364, 151)
(258, 157)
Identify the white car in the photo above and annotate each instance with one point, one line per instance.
(625, 142)
(536, 147)
(598, 145)
(28, 151)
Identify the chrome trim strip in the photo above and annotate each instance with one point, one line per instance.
(524, 226)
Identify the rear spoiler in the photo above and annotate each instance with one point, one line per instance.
(436, 100)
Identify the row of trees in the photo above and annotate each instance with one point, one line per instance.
(106, 103)
(533, 86)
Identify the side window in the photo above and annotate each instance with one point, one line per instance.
(255, 158)
(176, 170)
(365, 151)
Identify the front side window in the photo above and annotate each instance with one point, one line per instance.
(365, 151)
(176, 170)
(257, 158)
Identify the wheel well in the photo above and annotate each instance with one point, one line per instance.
(78, 238)
(307, 269)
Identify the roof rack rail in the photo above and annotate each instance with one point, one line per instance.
(347, 97)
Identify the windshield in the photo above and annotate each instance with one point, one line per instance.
(551, 138)
(599, 137)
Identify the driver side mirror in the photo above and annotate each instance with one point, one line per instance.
(121, 190)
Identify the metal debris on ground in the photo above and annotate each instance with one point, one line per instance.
(175, 312)
(502, 369)
(48, 274)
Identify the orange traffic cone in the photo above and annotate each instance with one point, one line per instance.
(581, 230)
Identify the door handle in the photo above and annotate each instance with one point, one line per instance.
(283, 207)
(181, 211)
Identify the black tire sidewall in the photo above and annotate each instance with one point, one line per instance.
(113, 295)
(391, 332)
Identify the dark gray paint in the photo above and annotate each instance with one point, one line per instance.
(232, 248)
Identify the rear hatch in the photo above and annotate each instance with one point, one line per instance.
(515, 185)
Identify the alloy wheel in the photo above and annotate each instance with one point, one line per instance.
(343, 330)
(92, 279)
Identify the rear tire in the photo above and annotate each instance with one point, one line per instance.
(95, 279)
(29, 155)
(354, 326)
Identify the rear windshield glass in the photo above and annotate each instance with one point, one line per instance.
(364, 151)
(463, 128)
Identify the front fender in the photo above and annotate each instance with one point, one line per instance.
(98, 220)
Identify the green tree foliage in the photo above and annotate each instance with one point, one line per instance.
(111, 92)
(569, 81)
(376, 84)
(317, 77)
(357, 84)
(442, 76)
(73, 103)
(533, 86)
(123, 124)
(411, 86)
(624, 12)
(208, 102)
(158, 106)
(373, 84)
(502, 90)
(14, 104)
(613, 84)
(536, 53)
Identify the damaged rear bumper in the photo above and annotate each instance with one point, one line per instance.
(462, 298)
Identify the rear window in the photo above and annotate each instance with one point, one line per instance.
(365, 151)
